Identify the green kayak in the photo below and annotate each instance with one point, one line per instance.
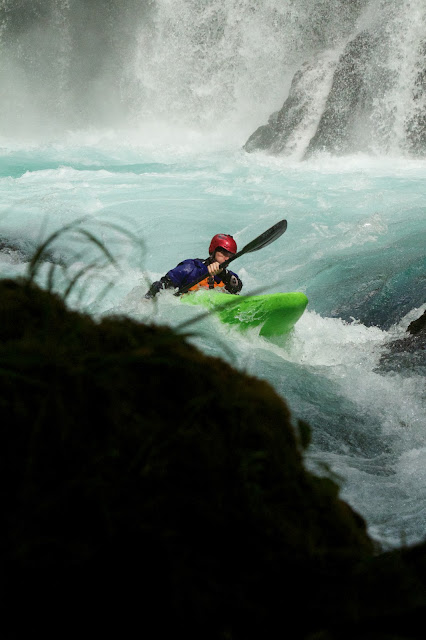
(277, 313)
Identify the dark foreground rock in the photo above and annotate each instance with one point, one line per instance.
(149, 490)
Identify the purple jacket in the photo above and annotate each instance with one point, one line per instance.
(189, 270)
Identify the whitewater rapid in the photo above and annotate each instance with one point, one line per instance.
(354, 245)
(124, 123)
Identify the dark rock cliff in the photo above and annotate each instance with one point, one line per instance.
(333, 123)
(345, 103)
(348, 98)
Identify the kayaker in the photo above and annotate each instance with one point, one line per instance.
(222, 247)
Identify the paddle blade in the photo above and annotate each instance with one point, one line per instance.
(265, 238)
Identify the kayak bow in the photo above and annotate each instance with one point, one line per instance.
(277, 313)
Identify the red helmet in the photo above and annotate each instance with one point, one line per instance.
(223, 240)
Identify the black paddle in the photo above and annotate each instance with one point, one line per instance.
(258, 243)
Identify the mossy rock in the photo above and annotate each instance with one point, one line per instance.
(146, 483)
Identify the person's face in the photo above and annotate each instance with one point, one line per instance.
(222, 254)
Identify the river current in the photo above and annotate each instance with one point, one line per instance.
(126, 128)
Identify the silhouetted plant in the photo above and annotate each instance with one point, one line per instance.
(76, 229)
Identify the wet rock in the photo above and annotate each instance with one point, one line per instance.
(416, 340)
(299, 116)
(418, 326)
(325, 99)
(264, 136)
(347, 98)
(408, 355)
(346, 104)
(416, 122)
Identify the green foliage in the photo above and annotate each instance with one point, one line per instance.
(102, 259)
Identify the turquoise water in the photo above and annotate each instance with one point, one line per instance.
(125, 125)
(355, 244)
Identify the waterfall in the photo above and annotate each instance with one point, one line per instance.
(343, 77)
(376, 97)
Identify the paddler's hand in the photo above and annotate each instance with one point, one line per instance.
(214, 268)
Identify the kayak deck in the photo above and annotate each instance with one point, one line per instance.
(276, 312)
